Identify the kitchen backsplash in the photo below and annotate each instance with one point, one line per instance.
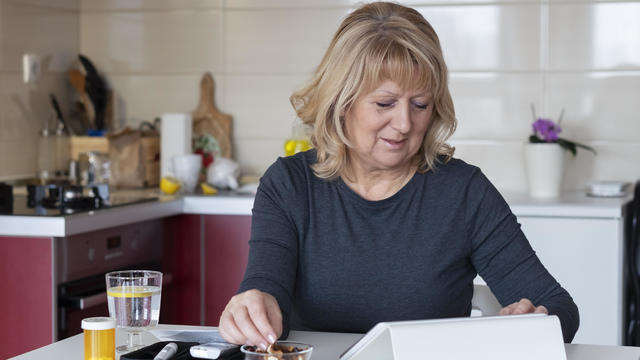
(583, 56)
(49, 28)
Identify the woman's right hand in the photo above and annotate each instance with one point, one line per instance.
(252, 318)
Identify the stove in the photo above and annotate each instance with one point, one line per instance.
(68, 198)
(63, 199)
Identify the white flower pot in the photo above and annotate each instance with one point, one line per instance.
(544, 164)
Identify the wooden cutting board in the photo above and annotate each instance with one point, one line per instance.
(207, 119)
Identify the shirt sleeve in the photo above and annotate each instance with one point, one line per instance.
(273, 245)
(504, 258)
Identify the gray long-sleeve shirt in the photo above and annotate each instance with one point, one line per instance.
(337, 262)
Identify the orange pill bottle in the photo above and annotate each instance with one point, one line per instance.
(99, 338)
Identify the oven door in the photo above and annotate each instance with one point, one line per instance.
(83, 259)
(78, 300)
(83, 298)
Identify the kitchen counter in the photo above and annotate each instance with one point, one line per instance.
(573, 204)
(327, 346)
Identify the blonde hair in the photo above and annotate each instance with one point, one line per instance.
(376, 42)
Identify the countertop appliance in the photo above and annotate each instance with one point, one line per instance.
(632, 288)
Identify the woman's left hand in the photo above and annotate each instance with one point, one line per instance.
(524, 306)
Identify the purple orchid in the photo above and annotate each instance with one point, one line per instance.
(546, 130)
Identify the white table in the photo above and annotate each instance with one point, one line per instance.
(328, 346)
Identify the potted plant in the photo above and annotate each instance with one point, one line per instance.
(545, 156)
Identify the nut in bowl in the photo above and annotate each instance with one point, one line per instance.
(281, 350)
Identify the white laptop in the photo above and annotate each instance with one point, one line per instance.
(513, 337)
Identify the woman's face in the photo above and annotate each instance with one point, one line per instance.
(387, 126)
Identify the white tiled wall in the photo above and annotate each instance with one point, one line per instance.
(50, 29)
(583, 56)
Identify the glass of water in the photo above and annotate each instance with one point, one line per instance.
(134, 302)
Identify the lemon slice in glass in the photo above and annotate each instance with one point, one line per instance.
(132, 291)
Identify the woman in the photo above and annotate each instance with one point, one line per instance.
(379, 222)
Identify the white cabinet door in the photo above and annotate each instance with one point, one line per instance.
(586, 257)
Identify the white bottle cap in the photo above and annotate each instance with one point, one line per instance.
(98, 323)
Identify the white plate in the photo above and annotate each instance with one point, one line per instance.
(606, 195)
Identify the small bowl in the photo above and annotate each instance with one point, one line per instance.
(251, 353)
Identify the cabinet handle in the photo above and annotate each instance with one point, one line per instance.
(92, 300)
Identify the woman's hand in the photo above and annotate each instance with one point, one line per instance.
(253, 318)
(524, 306)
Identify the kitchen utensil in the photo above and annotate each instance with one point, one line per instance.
(133, 298)
(109, 112)
(97, 90)
(46, 154)
(58, 111)
(79, 116)
(78, 81)
(61, 139)
(62, 148)
(207, 119)
(187, 170)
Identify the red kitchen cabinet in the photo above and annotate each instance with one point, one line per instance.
(207, 256)
(26, 294)
(225, 258)
(182, 298)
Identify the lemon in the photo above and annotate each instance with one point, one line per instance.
(132, 291)
(293, 146)
(208, 189)
(169, 185)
